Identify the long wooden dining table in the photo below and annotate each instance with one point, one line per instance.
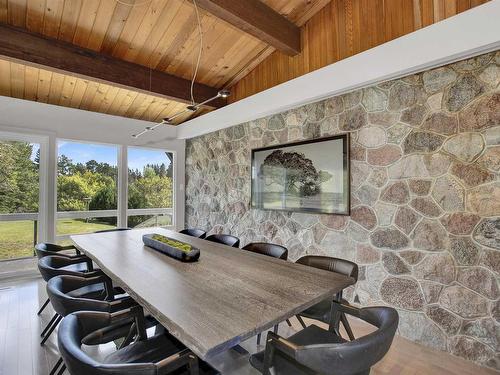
(211, 305)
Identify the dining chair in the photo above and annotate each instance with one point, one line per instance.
(64, 295)
(315, 350)
(322, 310)
(272, 250)
(45, 249)
(160, 354)
(194, 232)
(225, 239)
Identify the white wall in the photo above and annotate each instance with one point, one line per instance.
(49, 123)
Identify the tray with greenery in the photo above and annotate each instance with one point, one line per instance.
(173, 248)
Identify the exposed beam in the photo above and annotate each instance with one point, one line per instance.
(36, 50)
(259, 20)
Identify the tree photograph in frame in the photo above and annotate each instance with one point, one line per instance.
(308, 176)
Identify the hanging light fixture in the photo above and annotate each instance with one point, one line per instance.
(193, 107)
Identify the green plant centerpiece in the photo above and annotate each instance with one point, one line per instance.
(176, 249)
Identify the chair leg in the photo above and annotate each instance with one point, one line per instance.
(276, 329)
(288, 322)
(49, 324)
(56, 323)
(258, 338)
(345, 323)
(194, 366)
(43, 307)
(56, 366)
(61, 371)
(299, 318)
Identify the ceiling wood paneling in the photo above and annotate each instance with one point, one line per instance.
(341, 29)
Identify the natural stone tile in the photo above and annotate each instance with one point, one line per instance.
(495, 310)
(448, 193)
(393, 264)
(470, 349)
(386, 119)
(426, 206)
(484, 330)
(430, 235)
(372, 136)
(305, 220)
(378, 177)
(491, 159)
(436, 267)
(334, 106)
(276, 122)
(434, 101)
(485, 200)
(356, 232)
(359, 173)
(481, 114)
(406, 219)
(397, 193)
(412, 256)
(420, 187)
(367, 254)
(453, 297)
(353, 119)
(437, 79)
(367, 194)
(479, 280)
(403, 96)
(352, 99)
(474, 63)
(465, 146)
(404, 293)
(389, 238)
(384, 155)
(337, 222)
(319, 232)
(420, 141)
(471, 174)
(442, 123)
(364, 216)
(431, 290)
(330, 126)
(463, 91)
(490, 75)
(491, 260)
(385, 213)
(449, 322)
(396, 133)
(417, 327)
(311, 130)
(414, 115)
(368, 287)
(357, 152)
(339, 244)
(315, 111)
(419, 166)
(374, 99)
(460, 222)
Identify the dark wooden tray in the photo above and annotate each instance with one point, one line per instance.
(183, 256)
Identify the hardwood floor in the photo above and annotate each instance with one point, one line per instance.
(21, 353)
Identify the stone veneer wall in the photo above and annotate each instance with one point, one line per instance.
(425, 221)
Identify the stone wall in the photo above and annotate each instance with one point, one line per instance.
(425, 221)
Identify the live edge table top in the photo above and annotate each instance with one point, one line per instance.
(211, 305)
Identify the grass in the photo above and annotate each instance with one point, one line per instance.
(16, 237)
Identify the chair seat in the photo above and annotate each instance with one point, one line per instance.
(79, 267)
(307, 336)
(93, 291)
(321, 311)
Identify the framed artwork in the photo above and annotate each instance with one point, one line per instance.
(309, 176)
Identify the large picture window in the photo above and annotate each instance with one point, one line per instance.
(87, 188)
(150, 187)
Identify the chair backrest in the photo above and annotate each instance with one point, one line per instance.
(342, 266)
(59, 290)
(357, 356)
(269, 249)
(111, 230)
(194, 232)
(44, 249)
(50, 266)
(225, 239)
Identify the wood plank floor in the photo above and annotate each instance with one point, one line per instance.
(21, 353)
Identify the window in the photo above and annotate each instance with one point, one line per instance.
(150, 188)
(19, 197)
(87, 193)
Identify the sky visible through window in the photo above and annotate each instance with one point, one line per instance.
(137, 157)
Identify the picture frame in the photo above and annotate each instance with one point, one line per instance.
(311, 176)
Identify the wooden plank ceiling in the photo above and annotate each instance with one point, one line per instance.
(159, 34)
(162, 35)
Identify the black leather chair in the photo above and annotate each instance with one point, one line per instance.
(225, 239)
(194, 232)
(156, 355)
(318, 351)
(269, 249)
(112, 230)
(272, 250)
(45, 249)
(322, 310)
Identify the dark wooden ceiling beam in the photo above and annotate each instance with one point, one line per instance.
(259, 20)
(36, 50)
